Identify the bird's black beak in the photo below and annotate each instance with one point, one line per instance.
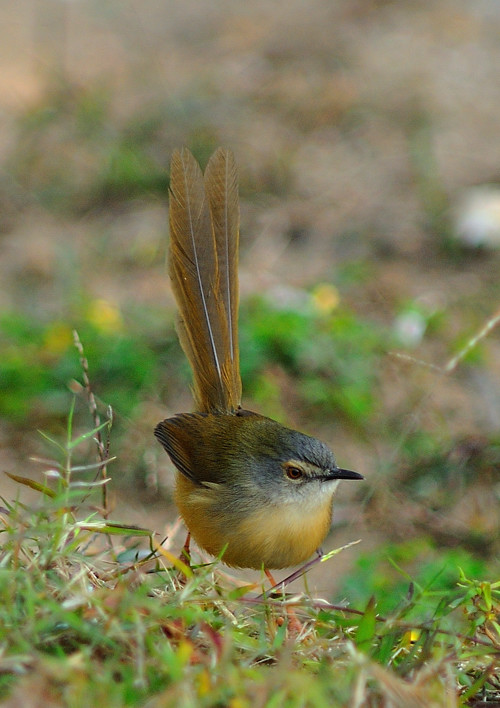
(337, 473)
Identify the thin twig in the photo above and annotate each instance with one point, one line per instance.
(442, 371)
(290, 578)
(490, 324)
(102, 449)
(452, 363)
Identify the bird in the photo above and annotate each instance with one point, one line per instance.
(250, 490)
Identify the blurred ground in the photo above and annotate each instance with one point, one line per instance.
(357, 127)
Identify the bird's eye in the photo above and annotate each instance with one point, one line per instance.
(293, 472)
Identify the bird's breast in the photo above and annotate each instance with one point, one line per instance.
(273, 535)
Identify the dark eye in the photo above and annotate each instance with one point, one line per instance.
(294, 473)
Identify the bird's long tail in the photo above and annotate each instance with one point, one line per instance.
(203, 264)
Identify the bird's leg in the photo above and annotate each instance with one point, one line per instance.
(294, 625)
(185, 555)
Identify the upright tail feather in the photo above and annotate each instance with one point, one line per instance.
(204, 232)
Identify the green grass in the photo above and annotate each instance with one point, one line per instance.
(96, 611)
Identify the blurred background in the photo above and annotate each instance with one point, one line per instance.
(366, 134)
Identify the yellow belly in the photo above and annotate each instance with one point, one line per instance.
(270, 537)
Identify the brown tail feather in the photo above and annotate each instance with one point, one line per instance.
(204, 222)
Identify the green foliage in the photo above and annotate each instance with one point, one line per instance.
(329, 357)
(429, 573)
(331, 354)
(26, 375)
(39, 360)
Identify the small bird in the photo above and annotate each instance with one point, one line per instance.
(250, 490)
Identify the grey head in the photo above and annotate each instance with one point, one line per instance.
(292, 465)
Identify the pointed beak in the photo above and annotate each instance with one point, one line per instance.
(337, 473)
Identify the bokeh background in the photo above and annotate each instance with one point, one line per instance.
(366, 134)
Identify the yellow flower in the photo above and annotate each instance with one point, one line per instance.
(325, 298)
(238, 703)
(184, 652)
(105, 316)
(204, 683)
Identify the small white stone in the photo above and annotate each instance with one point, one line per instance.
(410, 327)
(477, 217)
